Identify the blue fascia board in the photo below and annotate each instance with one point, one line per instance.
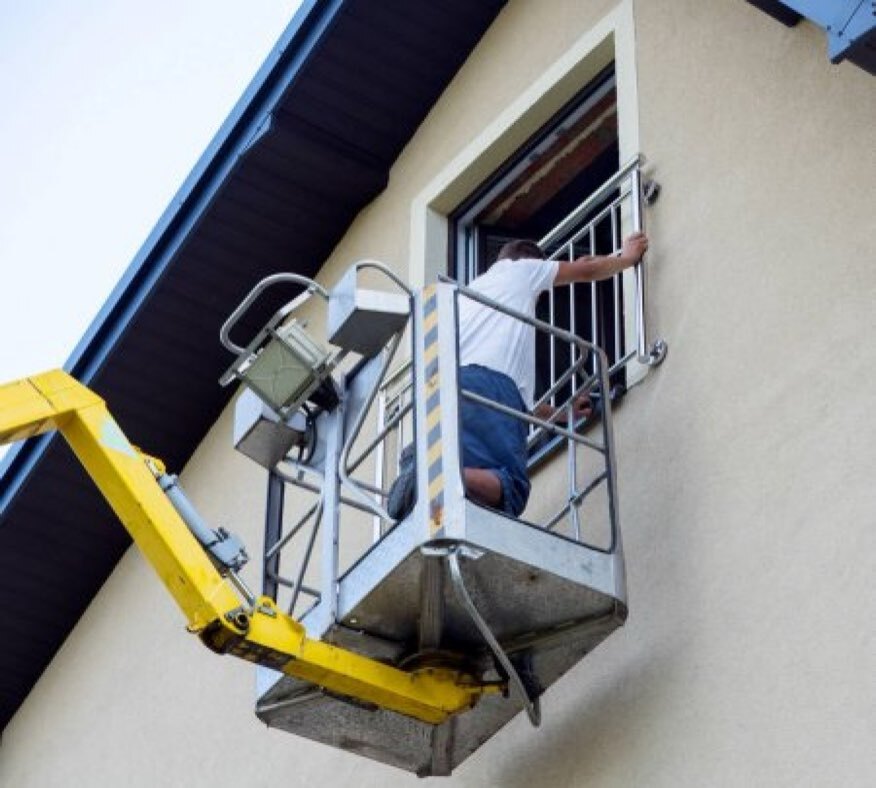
(861, 24)
(822, 12)
(844, 21)
(247, 122)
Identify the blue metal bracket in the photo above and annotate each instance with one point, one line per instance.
(846, 22)
(850, 25)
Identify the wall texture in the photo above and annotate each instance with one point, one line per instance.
(746, 459)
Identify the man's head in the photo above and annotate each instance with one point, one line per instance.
(520, 250)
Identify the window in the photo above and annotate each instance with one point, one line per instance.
(545, 192)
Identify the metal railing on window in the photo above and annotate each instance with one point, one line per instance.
(597, 227)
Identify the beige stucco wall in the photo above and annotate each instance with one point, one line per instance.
(745, 460)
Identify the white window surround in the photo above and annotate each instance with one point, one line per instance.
(612, 38)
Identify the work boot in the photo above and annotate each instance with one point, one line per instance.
(403, 493)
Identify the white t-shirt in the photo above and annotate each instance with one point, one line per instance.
(495, 340)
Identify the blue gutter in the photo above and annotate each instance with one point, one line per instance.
(249, 120)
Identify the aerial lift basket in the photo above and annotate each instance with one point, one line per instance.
(454, 584)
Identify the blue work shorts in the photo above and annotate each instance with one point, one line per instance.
(492, 440)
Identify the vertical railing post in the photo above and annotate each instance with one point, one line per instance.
(594, 302)
(638, 220)
(616, 287)
(331, 517)
(379, 466)
(273, 532)
(572, 471)
(647, 353)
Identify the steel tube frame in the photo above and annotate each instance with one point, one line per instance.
(601, 370)
(314, 488)
(582, 351)
(594, 199)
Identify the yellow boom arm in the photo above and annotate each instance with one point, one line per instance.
(259, 633)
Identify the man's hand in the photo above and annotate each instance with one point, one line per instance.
(634, 247)
(582, 408)
(594, 269)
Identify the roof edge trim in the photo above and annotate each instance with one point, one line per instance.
(235, 136)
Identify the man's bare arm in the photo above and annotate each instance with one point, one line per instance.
(597, 267)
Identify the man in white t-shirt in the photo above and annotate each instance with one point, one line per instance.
(497, 361)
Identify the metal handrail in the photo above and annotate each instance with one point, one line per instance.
(548, 426)
(575, 217)
(345, 467)
(606, 449)
(353, 492)
(264, 284)
(628, 179)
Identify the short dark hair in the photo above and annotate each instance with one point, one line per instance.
(519, 250)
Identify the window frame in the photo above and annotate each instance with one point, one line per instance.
(603, 302)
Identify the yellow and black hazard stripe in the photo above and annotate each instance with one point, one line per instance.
(433, 406)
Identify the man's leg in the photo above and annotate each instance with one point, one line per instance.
(483, 486)
(493, 444)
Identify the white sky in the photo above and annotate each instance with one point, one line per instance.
(105, 107)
